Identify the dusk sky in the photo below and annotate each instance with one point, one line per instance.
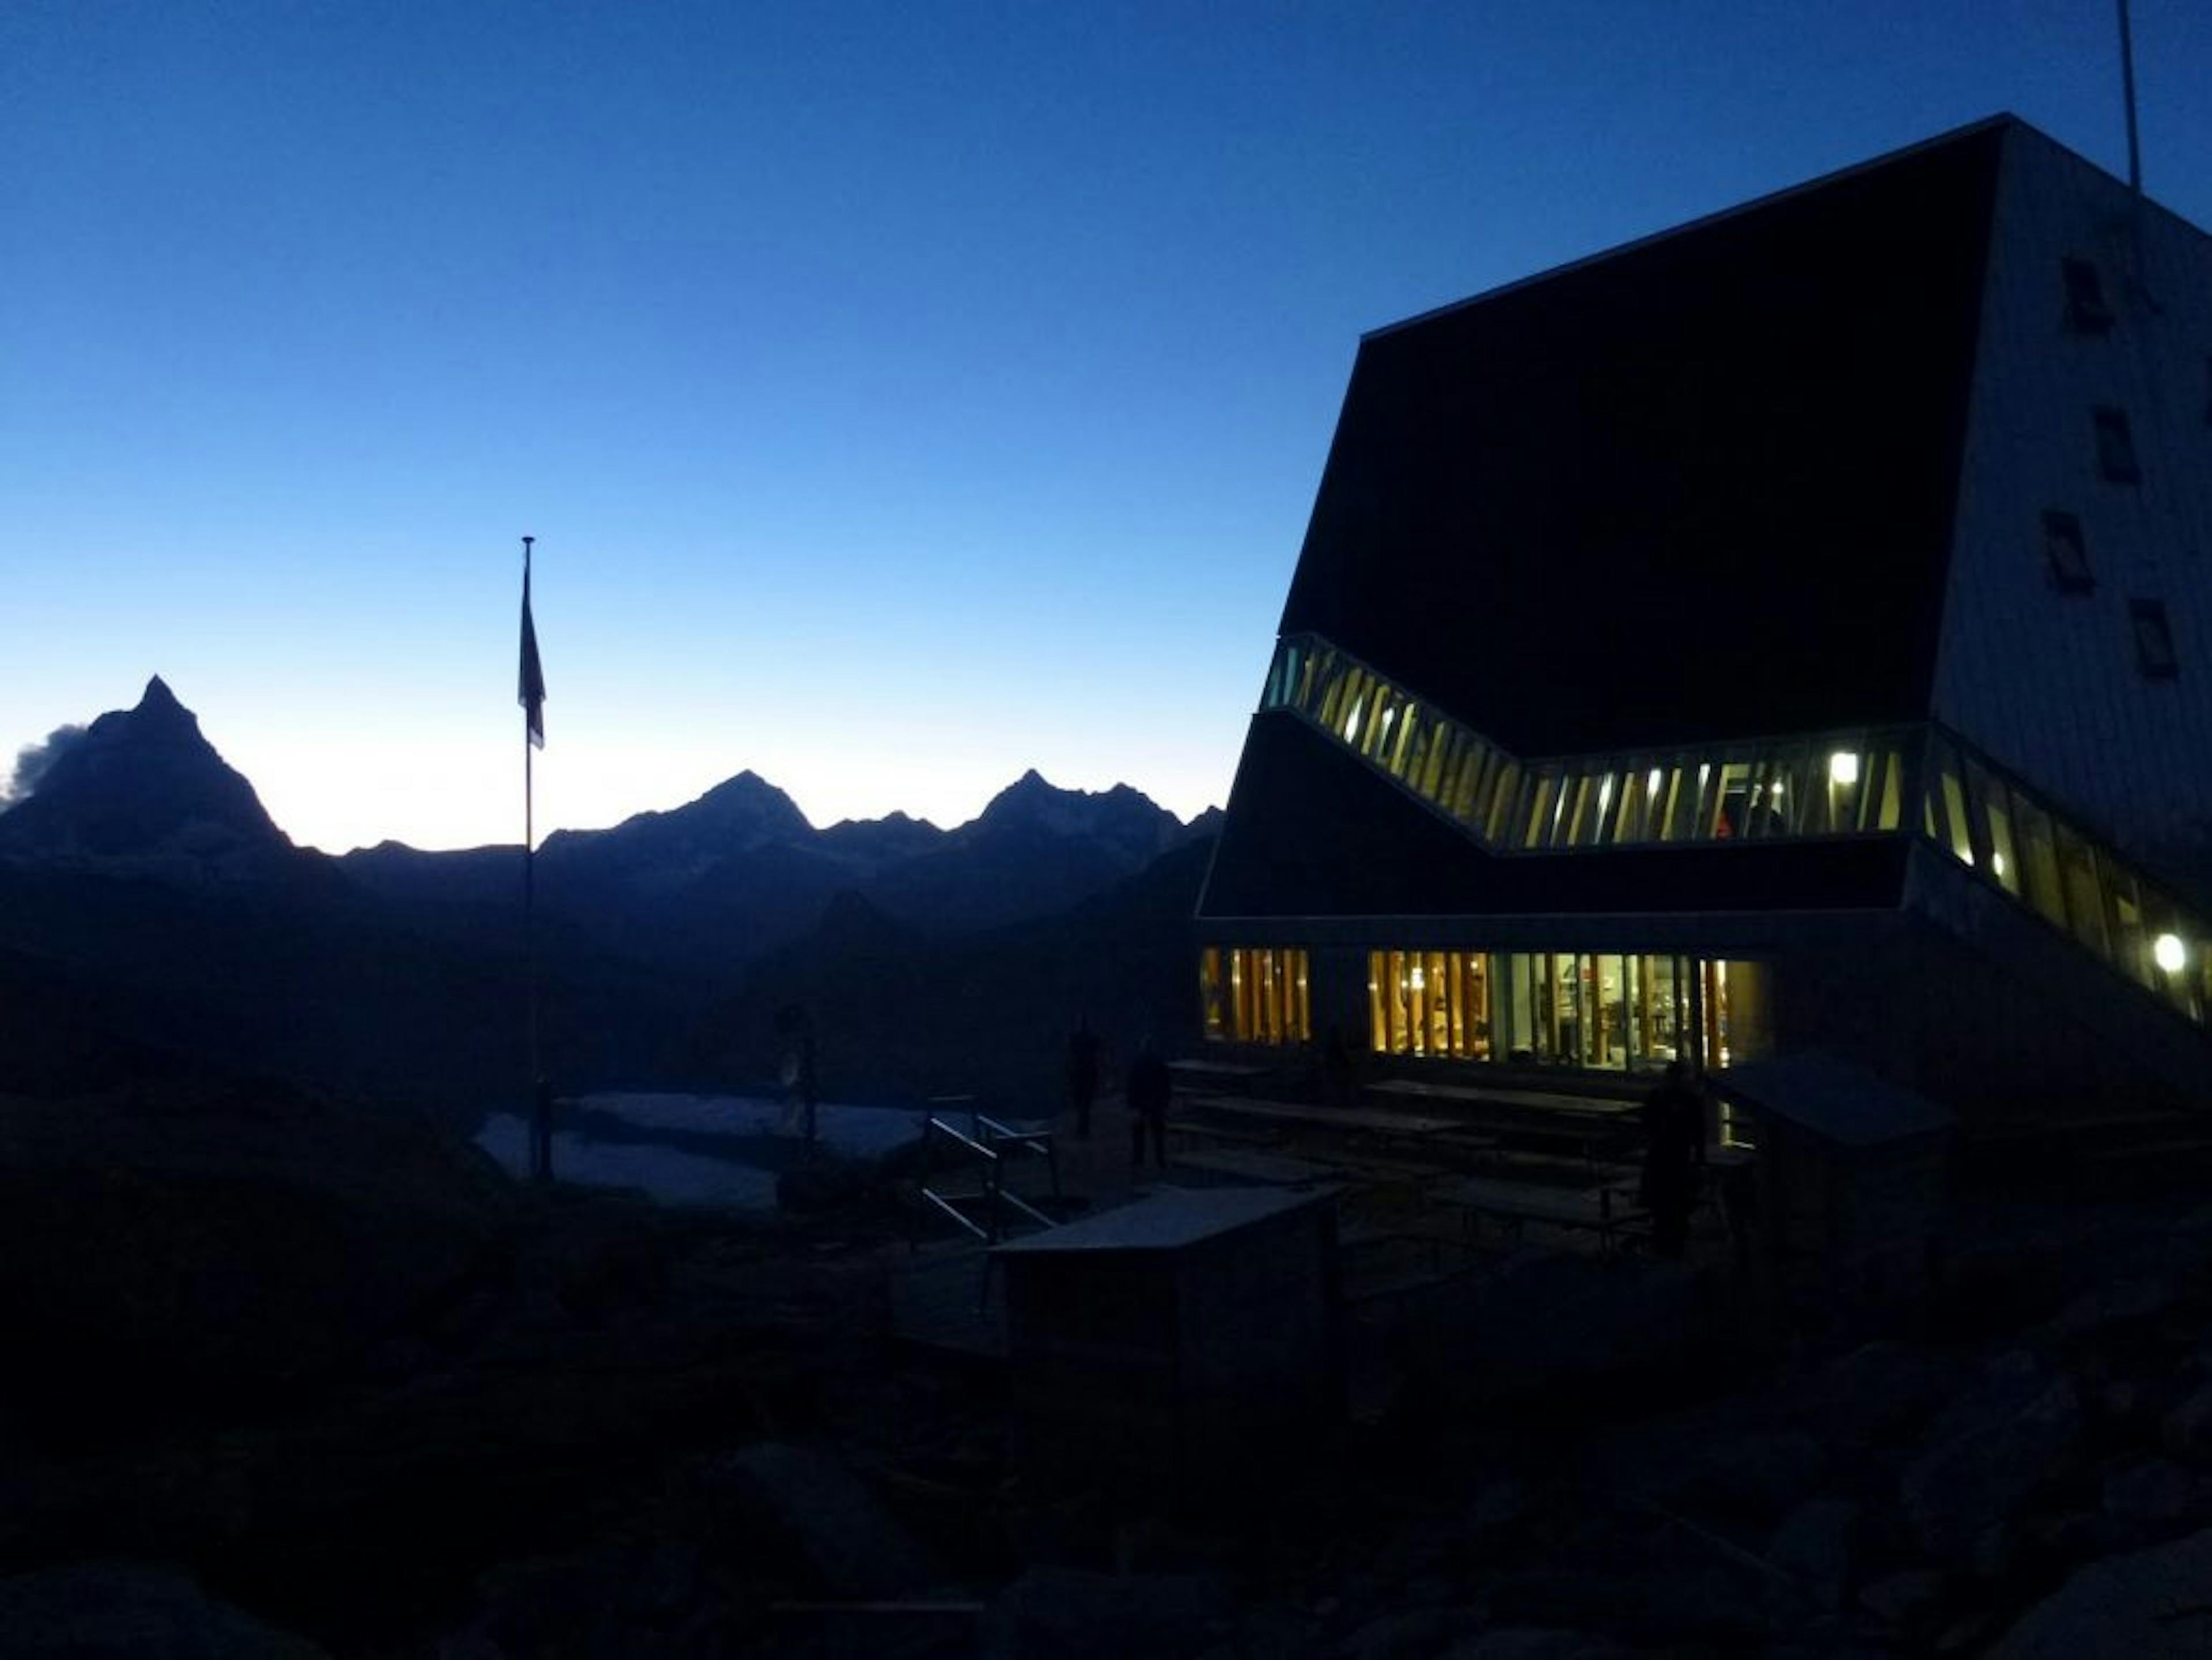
(903, 396)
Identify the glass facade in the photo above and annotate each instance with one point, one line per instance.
(1254, 994)
(1630, 1011)
(1431, 1003)
(1837, 784)
(1605, 1010)
(1987, 822)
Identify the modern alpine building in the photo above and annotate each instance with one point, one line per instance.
(1789, 632)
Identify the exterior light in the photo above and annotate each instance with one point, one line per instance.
(1843, 767)
(1996, 863)
(1777, 789)
(2170, 954)
(1652, 784)
(1703, 773)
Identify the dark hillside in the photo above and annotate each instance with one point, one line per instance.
(899, 1011)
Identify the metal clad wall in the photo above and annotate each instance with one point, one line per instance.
(1700, 488)
(2045, 680)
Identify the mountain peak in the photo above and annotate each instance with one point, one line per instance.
(160, 713)
(1120, 818)
(760, 805)
(138, 784)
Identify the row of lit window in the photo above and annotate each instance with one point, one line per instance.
(1601, 1009)
(1782, 788)
(1254, 994)
(1848, 784)
(1985, 820)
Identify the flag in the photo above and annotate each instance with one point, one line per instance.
(529, 690)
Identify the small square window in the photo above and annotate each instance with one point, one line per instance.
(2116, 446)
(2153, 640)
(2086, 310)
(2067, 553)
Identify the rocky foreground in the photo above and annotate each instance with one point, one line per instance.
(285, 1378)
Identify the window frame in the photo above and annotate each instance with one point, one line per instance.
(2066, 552)
(2116, 461)
(2087, 311)
(2156, 656)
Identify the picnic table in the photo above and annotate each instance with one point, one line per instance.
(1226, 1071)
(1272, 1168)
(1604, 1210)
(1374, 1121)
(1606, 1109)
(1590, 1125)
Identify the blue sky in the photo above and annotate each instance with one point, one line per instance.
(902, 395)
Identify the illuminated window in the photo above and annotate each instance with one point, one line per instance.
(1944, 817)
(1266, 997)
(1433, 1004)
(2039, 861)
(2086, 310)
(1211, 1003)
(2153, 640)
(2085, 898)
(2066, 554)
(2133, 953)
(2116, 446)
(1992, 808)
(1847, 784)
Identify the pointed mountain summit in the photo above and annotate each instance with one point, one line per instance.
(1125, 820)
(139, 785)
(736, 816)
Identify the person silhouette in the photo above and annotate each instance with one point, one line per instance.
(1674, 1146)
(798, 1070)
(1150, 1087)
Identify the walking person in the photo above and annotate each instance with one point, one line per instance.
(1149, 1089)
(800, 1095)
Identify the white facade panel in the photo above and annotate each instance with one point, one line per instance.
(2046, 680)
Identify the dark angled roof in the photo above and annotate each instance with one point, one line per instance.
(1313, 831)
(1700, 488)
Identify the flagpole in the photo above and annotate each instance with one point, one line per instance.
(2128, 95)
(541, 1148)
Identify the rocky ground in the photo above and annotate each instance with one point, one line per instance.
(351, 1393)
